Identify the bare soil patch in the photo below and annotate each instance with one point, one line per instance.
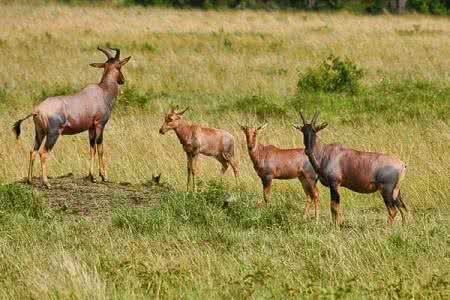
(80, 196)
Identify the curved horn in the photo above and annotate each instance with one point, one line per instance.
(302, 117)
(106, 52)
(262, 126)
(182, 112)
(314, 119)
(117, 52)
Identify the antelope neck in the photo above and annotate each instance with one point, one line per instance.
(315, 158)
(110, 85)
(253, 151)
(183, 131)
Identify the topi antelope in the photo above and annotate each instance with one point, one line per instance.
(201, 140)
(90, 110)
(271, 163)
(362, 172)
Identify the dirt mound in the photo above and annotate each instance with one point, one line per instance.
(73, 195)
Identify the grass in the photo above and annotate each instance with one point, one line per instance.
(83, 241)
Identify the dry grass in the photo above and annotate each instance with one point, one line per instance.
(206, 59)
(185, 50)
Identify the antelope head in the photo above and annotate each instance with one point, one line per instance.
(250, 134)
(172, 119)
(309, 131)
(113, 64)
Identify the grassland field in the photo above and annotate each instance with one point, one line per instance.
(95, 241)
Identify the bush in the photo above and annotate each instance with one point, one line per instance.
(392, 102)
(376, 7)
(437, 7)
(133, 96)
(262, 107)
(333, 75)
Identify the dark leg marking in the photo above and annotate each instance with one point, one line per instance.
(267, 186)
(93, 150)
(335, 203)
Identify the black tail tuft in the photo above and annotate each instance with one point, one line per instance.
(16, 128)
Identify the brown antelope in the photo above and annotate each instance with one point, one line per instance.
(271, 163)
(362, 172)
(90, 110)
(196, 140)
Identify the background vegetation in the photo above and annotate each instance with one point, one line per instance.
(436, 7)
(385, 88)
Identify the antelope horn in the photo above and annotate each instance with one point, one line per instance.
(107, 53)
(262, 126)
(302, 117)
(117, 52)
(314, 119)
(182, 112)
(240, 125)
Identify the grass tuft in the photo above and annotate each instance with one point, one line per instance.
(16, 198)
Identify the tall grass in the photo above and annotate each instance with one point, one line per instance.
(228, 66)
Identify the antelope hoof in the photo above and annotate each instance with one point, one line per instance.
(46, 184)
(103, 177)
(29, 181)
(92, 178)
(260, 204)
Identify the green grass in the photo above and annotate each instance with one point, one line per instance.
(192, 247)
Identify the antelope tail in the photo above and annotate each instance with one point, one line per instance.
(16, 126)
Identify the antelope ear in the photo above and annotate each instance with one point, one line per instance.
(262, 127)
(174, 109)
(97, 65)
(321, 126)
(124, 61)
(241, 126)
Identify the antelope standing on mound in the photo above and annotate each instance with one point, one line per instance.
(90, 110)
(196, 140)
(362, 172)
(271, 163)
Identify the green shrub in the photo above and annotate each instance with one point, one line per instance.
(333, 75)
(263, 107)
(15, 198)
(391, 102)
(437, 7)
(133, 96)
(376, 6)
